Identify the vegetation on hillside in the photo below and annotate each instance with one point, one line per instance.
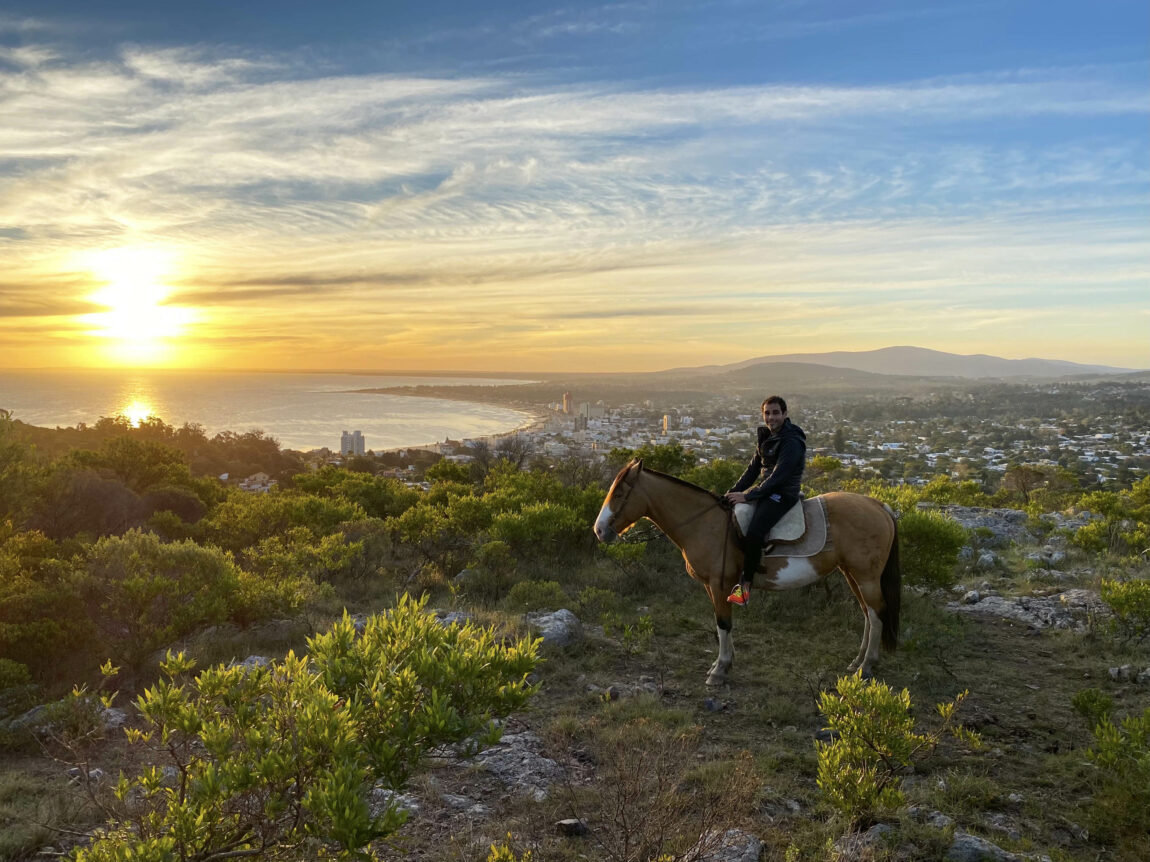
(119, 543)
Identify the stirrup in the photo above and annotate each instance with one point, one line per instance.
(739, 596)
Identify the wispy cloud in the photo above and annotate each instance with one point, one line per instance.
(477, 205)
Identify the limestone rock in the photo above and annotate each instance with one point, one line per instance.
(557, 629)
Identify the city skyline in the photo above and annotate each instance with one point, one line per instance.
(626, 186)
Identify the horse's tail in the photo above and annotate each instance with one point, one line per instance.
(891, 585)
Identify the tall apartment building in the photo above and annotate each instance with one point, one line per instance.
(352, 443)
(567, 402)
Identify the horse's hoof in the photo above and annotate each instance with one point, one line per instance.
(716, 679)
(867, 673)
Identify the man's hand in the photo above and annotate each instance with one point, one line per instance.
(735, 497)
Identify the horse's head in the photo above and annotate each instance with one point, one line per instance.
(621, 507)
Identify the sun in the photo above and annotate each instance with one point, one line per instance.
(138, 326)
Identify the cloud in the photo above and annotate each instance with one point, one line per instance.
(478, 205)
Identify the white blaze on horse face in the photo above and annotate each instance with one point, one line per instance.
(797, 572)
(603, 531)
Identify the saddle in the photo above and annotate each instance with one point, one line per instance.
(801, 532)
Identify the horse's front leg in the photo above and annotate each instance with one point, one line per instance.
(717, 675)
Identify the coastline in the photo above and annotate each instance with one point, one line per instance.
(535, 417)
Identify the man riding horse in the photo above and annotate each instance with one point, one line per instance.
(775, 471)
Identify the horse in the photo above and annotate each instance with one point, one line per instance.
(861, 542)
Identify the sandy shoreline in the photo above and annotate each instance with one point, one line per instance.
(535, 417)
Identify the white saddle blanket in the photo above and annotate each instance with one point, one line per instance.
(789, 528)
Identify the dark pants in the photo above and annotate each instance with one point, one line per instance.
(768, 511)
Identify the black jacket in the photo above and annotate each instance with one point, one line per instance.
(777, 467)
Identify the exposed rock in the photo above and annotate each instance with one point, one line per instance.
(252, 661)
(1066, 610)
(852, 846)
(987, 560)
(971, 848)
(972, 597)
(94, 775)
(515, 760)
(571, 826)
(1144, 677)
(382, 798)
(1122, 674)
(1000, 526)
(558, 629)
(734, 845)
(453, 618)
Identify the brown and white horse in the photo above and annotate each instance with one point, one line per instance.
(862, 543)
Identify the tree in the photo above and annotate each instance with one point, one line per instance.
(665, 457)
(1024, 479)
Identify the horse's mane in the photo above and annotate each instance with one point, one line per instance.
(719, 498)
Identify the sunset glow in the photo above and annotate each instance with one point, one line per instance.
(138, 328)
(611, 187)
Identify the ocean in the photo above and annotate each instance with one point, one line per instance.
(302, 411)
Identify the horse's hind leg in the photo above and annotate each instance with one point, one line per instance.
(861, 657)
(871, 600)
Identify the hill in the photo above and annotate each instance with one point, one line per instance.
(921, 362)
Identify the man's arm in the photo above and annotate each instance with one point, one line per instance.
(792, 454)
(749, 475)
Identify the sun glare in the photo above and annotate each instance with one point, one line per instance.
(137, 412)
(138, 326)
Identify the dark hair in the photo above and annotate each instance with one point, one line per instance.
(775, 399)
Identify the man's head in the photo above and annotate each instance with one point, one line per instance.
(774, 412)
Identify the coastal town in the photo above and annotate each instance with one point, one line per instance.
(1097, 434)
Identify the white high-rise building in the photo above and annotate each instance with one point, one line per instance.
(352, 443)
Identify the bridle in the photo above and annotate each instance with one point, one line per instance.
(720, 502)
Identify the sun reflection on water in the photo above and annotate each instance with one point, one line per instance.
(137, 411)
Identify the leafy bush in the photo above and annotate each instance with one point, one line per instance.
(1093, 705)
(144, 593)
(1121, 810)
(1129, 601)
(874, 742)
(245, 519)
(536, 596)
(929, 543)
(380, 497)
(541, 529)
(283, 759)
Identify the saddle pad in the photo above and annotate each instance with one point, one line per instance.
(789, 527)
(812, 541)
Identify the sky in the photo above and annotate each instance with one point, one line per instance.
(538, 186)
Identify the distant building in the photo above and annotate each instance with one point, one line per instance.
(567, 402)
(352, 443)
(666, 423)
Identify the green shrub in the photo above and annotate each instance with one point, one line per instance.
(874, 743)
(13, 673)
(1129, 601)
(145, 593)
(541, 529)
(1121, 809)
(929, 543)
(1093, 705)
(536, 596)
(490, 573)
(281, 760)
(595, 603)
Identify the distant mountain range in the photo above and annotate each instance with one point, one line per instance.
(920, 362)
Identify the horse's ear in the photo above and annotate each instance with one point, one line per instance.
(638, 464)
